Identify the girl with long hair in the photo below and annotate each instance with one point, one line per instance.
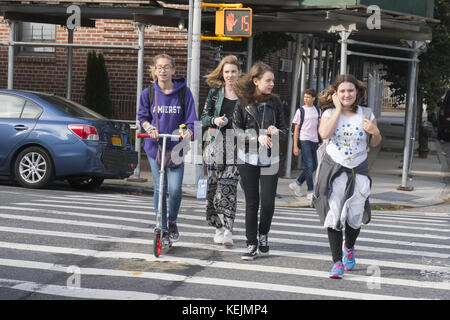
(223, 175)
(343, 183)
(172, 104)
(258, 122)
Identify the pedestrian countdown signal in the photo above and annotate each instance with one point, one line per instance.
(234, 22)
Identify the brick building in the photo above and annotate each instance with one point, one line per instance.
(46, 69)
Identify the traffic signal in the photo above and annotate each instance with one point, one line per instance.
(234, 22)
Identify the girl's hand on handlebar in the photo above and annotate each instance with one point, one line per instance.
(154, 134)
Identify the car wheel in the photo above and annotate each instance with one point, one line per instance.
(86, 183)
(33, 168)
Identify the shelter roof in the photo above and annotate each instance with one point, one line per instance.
(268, 15)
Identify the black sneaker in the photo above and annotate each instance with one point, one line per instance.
(166, 239)
(263, 244)
(173, 231)
(251, 252)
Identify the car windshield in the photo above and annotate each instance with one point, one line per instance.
(71, 108)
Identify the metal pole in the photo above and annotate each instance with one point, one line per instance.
(414, 121)
(249, 53)
(295, 81)
(335, 68)
(140, 78)
(196, 44)
(409, 137)
(191, 159)
(66, 45)
(12, 31)
(189, 53)
(319, 68)
(69, 65)
(311, 62)
(327, 67)
(344, 36)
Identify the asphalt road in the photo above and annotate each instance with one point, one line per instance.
(63, 244)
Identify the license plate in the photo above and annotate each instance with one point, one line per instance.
(116, 141)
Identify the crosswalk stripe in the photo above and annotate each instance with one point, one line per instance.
(236, 237)
(404, 234)
(293, 254)
(145, 221)
(83, 293)
(162, 276)
(92, 224)
(276, 217)
(424, 284)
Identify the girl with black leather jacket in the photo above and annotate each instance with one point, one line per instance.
(259, 125)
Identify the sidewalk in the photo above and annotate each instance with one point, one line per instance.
(429, 179)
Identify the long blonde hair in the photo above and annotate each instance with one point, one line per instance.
(215, 78)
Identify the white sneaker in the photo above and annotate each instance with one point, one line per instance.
(309, 196)
(218, 237)
(227, 238)
(296, 188)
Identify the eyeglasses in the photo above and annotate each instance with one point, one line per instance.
(165, 68)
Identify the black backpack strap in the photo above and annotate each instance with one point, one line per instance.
(151, 95)
(302, 117)
(318, 111)
(182, 98)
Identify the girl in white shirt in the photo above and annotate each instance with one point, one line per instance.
(346, 127)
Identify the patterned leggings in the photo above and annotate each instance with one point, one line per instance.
(222, 199)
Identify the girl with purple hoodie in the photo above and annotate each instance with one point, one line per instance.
(170, 113)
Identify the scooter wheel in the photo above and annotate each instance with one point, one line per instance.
(157, 245)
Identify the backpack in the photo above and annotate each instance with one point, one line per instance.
(302, 119)
(181, 97)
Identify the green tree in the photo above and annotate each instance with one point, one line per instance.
(434, 66)
(97, 85)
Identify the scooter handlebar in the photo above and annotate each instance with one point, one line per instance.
(161, 135)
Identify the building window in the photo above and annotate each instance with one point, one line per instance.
(37, 32)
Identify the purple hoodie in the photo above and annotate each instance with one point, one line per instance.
(170, 114)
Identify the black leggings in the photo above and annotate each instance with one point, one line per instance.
(335, 239)
(251, 180)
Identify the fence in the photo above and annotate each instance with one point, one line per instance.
(123, 106)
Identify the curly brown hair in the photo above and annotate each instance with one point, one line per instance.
(245, 88)
(326, 100)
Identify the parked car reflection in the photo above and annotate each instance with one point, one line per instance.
(46, 137)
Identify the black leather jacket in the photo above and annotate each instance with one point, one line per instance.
(258, 118)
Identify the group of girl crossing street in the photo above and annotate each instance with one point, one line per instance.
(245, 124)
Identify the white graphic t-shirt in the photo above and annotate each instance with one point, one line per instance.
(348, 143)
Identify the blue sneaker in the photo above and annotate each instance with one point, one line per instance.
(349, 258)
(338, 270)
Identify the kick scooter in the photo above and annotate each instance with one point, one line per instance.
(158, 244)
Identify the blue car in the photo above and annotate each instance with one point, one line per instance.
(44, 137)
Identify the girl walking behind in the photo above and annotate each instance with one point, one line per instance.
(343, 183)
(223, 174)
(163, 114)
(258, 122)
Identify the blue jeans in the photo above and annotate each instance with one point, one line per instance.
(309, 156)
(175, 178)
